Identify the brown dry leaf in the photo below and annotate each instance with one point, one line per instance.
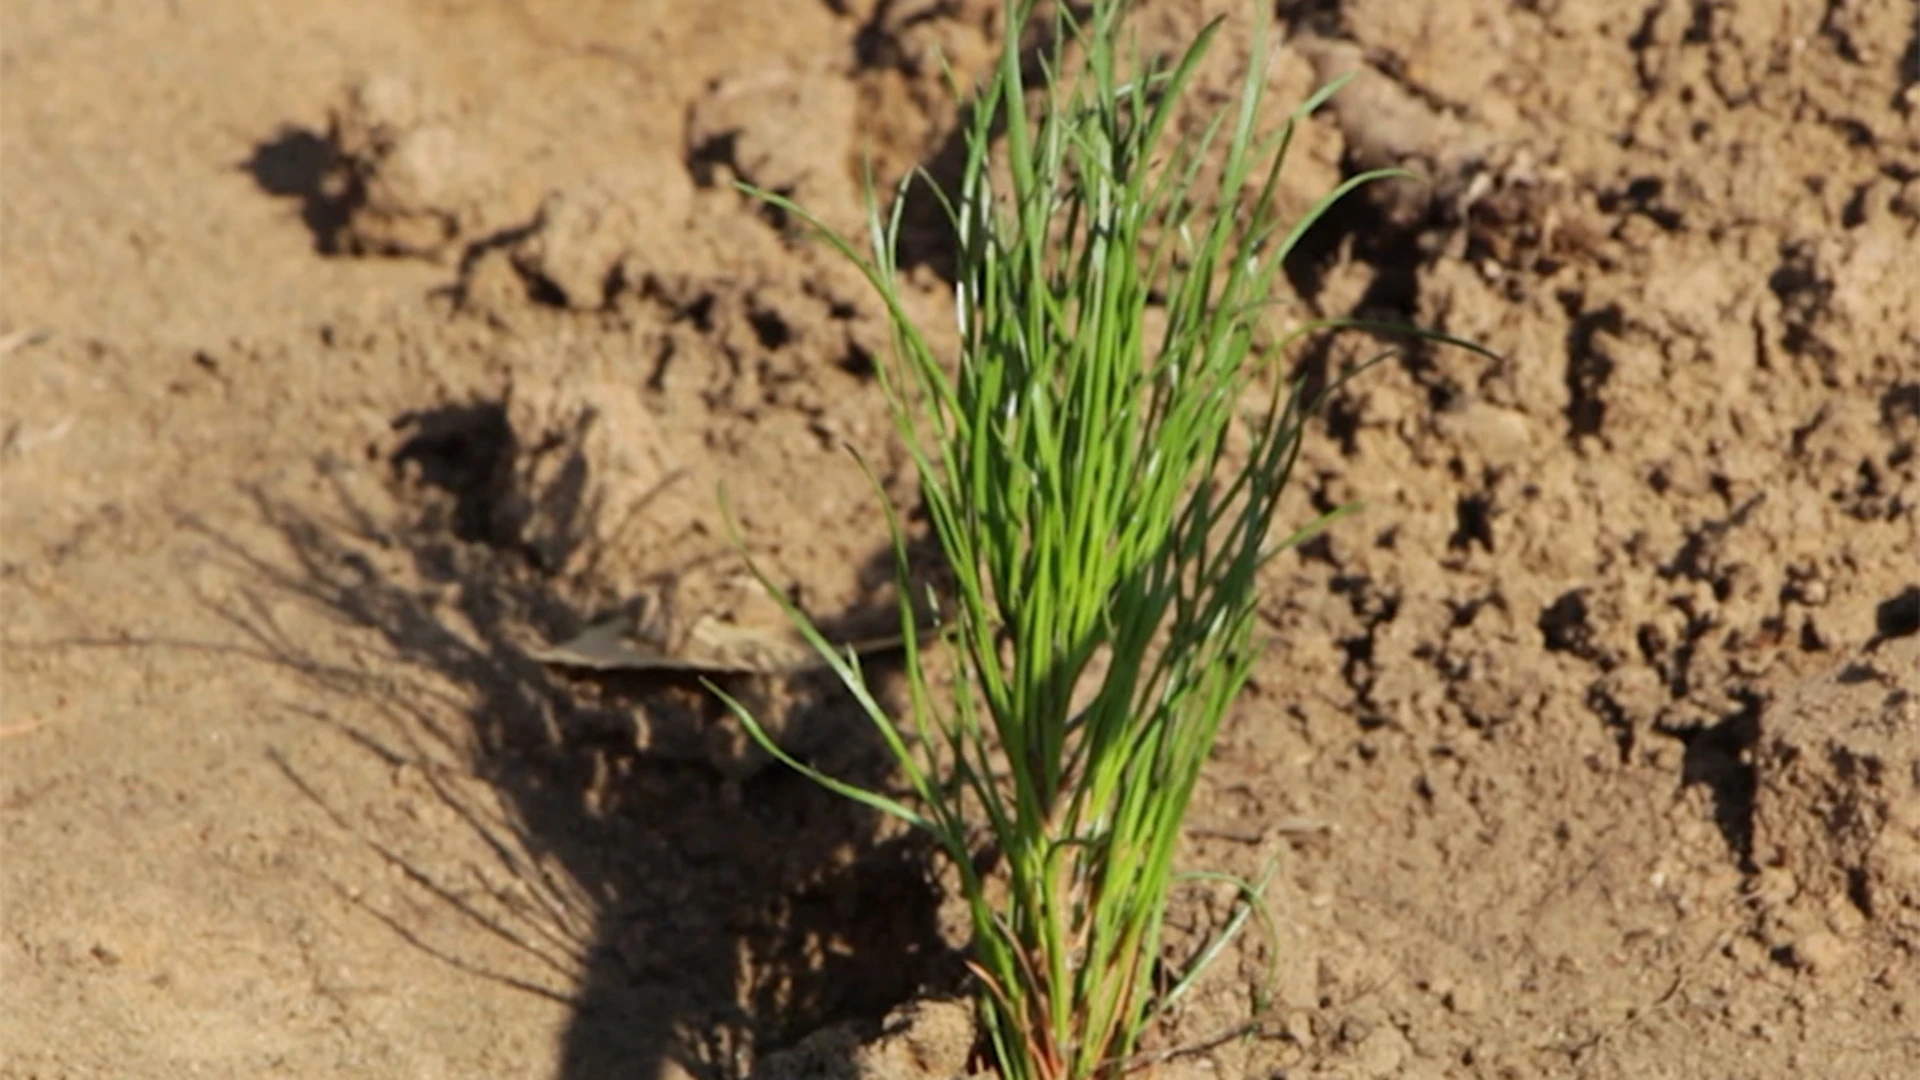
(711, 646)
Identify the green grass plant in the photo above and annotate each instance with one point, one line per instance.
(1103, 541)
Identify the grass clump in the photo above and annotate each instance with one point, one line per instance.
(1077, 476)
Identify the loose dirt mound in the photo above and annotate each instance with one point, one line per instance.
(354, 351)
(1837, 817)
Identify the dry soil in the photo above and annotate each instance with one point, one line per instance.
(354, 350)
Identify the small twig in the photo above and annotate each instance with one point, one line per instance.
(1293, 826)
(21, 338)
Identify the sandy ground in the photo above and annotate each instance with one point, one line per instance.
(353, 350)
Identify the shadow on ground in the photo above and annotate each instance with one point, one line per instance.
(699, 923)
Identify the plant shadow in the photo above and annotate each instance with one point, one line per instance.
(695, 918)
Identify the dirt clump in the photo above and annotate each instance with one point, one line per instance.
(1837, 812)
(408, 180)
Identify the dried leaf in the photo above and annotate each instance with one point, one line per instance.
(711, 647)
